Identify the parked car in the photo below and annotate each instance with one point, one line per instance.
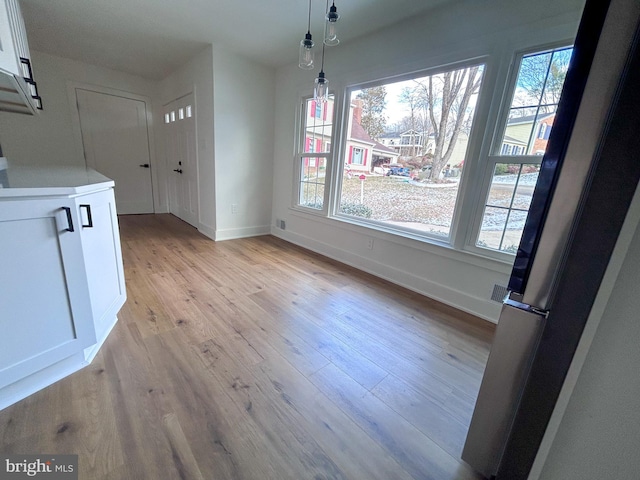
(401, 171)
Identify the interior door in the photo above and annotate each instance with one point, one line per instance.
(115, 138)
(180, 135)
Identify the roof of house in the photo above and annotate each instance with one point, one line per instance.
(510, 139)
(359, 133)
(529, 118)
(379, 147)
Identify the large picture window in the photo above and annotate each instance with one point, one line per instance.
(406, 147)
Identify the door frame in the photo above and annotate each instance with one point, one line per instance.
(77, 129)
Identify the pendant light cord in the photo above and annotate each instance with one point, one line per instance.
(309, 23)
(326, 8)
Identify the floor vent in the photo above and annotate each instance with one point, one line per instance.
(499, 292)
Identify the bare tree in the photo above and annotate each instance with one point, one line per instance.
(446, 98)
(540, 79)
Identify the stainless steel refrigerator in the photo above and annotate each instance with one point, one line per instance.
(586, 181)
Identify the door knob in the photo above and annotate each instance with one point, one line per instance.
(179, 170)
(145, 165)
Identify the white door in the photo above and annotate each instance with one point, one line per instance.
(115, 138)
(180, 135)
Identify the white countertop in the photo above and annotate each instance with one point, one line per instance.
(20, 181)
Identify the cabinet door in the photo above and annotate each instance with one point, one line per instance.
(45, 313)
(102, 257)
(8, 54)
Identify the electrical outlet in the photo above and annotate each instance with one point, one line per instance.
(234, 208)
(370, 244)
(282, 225)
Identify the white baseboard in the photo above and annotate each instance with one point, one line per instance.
(479, 307)
(245, 232)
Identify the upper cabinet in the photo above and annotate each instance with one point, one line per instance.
(18, 89)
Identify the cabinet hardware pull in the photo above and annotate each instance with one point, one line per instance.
(27, 62)
(144, 165)
(89, 219)
(69, 219)
(179, 170)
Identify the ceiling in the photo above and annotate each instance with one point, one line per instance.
(151, 38)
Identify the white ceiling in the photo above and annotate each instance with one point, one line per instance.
(151, 38)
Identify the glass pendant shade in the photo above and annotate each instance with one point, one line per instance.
(330, 30)
(305, 60)
(321, 90)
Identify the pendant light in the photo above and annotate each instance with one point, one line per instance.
(305, 59)
(330, 33)
(321, 88)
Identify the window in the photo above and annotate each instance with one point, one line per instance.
(313, 152)
(189, 111)
(413, 160)
(167, 118)
(534, 101)
(357, 156)
(409, 190)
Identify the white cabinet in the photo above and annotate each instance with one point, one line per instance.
(61, 280)
(46, 313)
(18, 89)
(102, 255)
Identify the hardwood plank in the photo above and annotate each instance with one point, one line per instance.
(416, 452)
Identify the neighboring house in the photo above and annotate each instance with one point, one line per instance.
(407, 144)
(518, 138)
(459, 149)
(362, 152)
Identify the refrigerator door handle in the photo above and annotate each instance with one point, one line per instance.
(525, 307)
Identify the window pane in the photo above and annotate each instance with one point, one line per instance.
(411, 165)
(534, 102)
(318, 126)
(493, 226)
(312, 180)
(507, 206)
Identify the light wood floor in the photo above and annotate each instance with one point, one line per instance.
(255, 359)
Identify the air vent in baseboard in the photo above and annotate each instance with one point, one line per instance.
(499, 292)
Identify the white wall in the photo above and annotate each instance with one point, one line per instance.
(195, 76)
(49, 138)
(452, 33)
(598, 436)
(244, 96)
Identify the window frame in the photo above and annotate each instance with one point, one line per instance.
(473, 146)
(493, 157)
(300, 154)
